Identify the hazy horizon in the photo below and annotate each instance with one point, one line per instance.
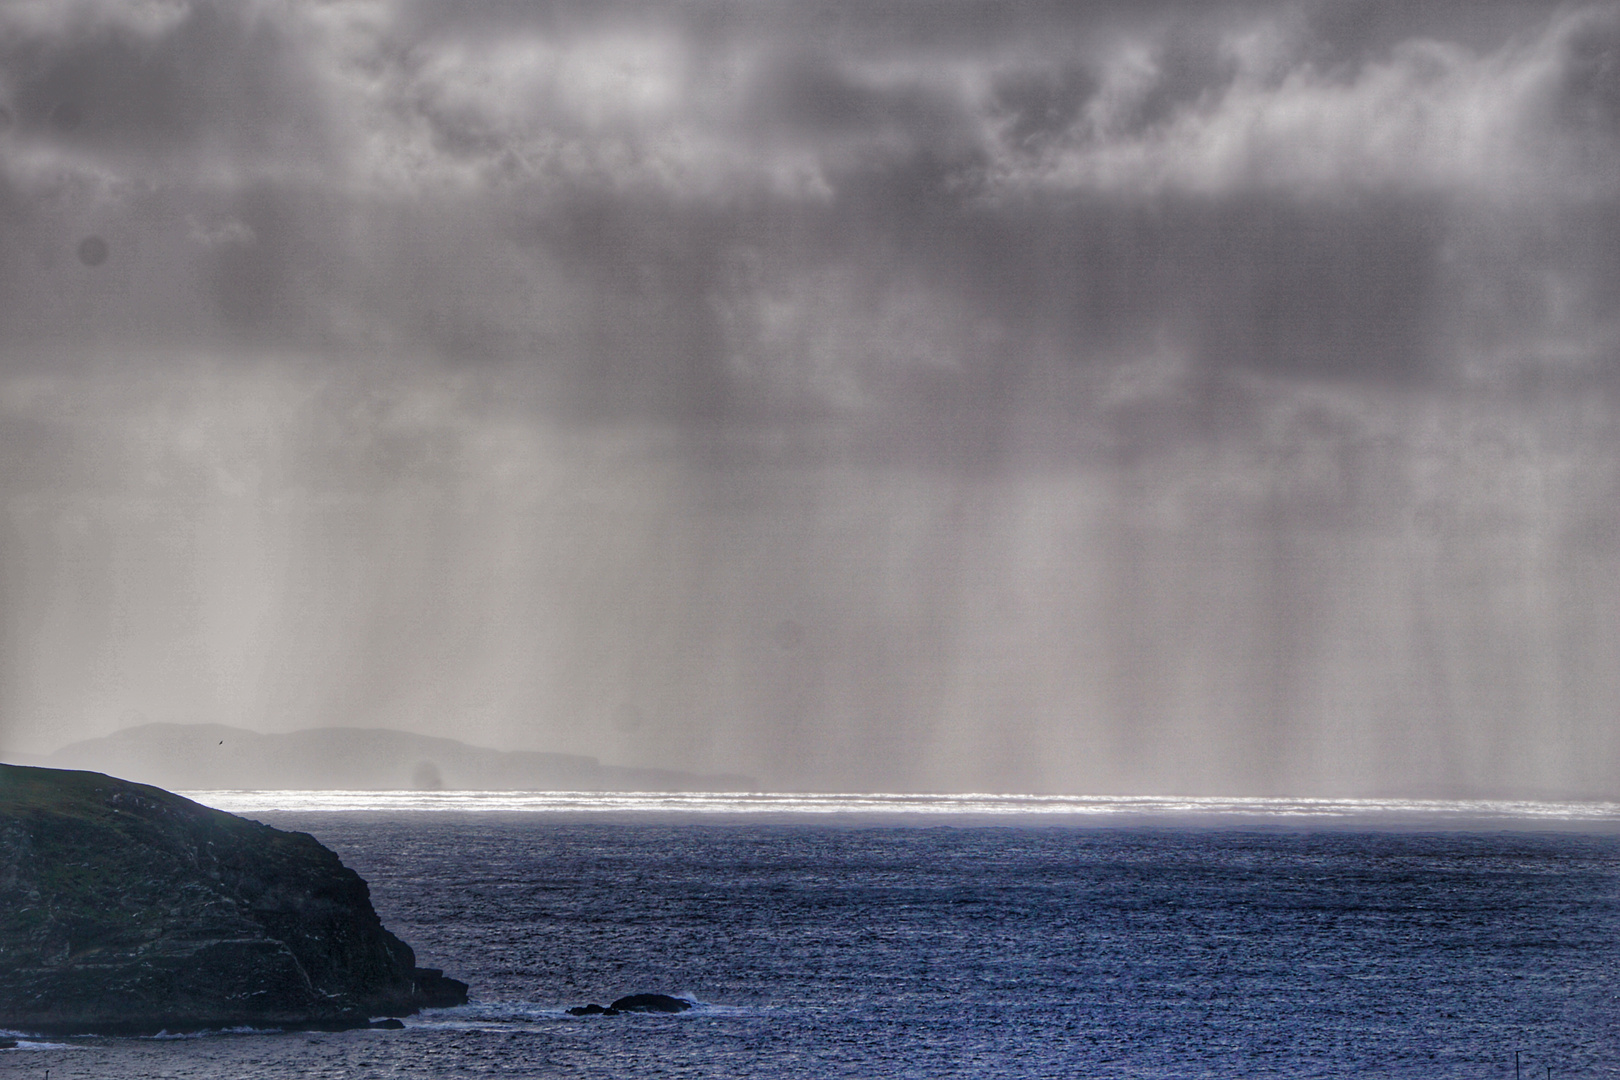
(1161, 397)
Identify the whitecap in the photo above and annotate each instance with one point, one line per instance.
(27, 1041)
(166, 1035)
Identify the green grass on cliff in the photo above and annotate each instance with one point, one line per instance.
(29, 791)
(90, 863)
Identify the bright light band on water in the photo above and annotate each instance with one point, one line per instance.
(966, 805)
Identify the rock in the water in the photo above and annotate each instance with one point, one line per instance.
(662, 1003)
(128, 909)
(635, 1003)
(433, 989)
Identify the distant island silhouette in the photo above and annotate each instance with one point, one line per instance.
(200, 757)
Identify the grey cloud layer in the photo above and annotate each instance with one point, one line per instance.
(622, 201)
(1098, 394)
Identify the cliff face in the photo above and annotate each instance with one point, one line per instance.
(125, 909)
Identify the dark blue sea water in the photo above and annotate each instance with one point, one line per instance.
(868, 949)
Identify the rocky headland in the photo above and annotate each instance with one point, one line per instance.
(125, 909)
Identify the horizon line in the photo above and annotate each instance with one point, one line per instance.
(992, 804)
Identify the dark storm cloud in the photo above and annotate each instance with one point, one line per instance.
(572, 188)
(159, 87)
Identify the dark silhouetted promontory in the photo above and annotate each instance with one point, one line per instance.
(127, 909)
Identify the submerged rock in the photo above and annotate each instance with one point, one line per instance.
(126, 909)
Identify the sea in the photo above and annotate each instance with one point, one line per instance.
(955, 936)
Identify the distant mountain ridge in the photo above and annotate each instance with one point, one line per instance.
(216, 757)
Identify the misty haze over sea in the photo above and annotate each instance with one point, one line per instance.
(1147, 398)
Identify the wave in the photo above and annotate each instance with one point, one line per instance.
(505, 1014)
(208, 1033)
(878, 804)
(25, 1041)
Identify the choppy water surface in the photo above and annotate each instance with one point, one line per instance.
(825, 946)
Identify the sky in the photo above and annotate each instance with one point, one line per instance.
(1148, 397)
